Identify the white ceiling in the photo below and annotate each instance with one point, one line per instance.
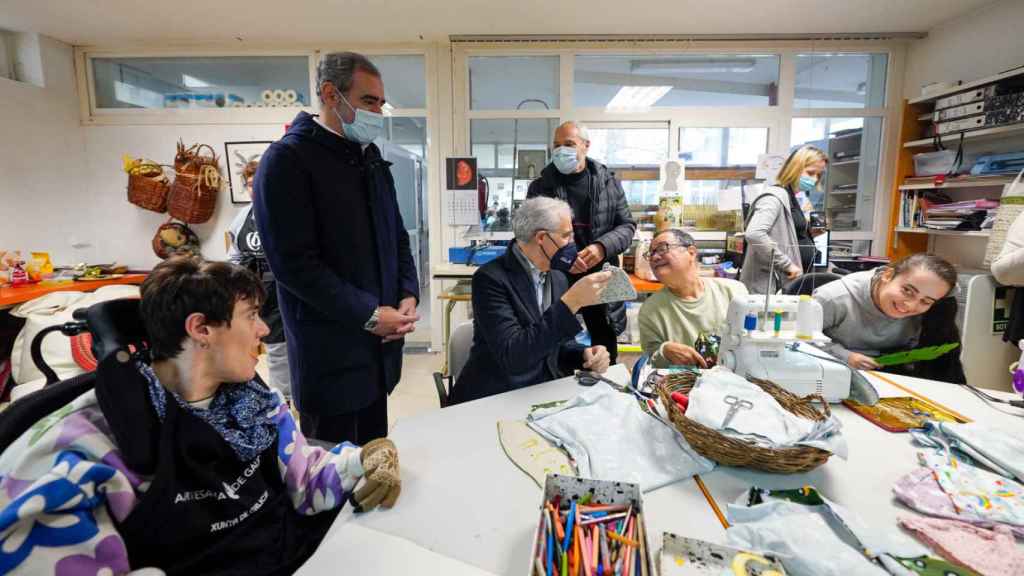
(340, 22)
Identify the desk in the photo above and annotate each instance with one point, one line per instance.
(466, 509)
(13, 295)
(877, 458)
(459, 293)
(453, 271)
(464, 500)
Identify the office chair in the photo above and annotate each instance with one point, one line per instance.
(459, 344)
(807, 283)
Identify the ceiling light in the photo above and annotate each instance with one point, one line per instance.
(637, 97)
(193, 82)
(707, 65)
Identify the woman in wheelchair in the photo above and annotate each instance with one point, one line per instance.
(190, 464)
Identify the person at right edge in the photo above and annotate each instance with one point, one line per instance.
(777, 222)
(602, 224)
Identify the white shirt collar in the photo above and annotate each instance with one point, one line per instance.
(333, 131)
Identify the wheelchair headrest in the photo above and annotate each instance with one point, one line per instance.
(114, 325)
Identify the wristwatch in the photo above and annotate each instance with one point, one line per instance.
(371, 324)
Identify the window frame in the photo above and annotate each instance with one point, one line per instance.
(777, 119)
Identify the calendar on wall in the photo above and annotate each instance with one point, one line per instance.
(462, 208)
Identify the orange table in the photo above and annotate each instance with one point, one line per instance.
(642, 285)
(648, 286)
(13, 295)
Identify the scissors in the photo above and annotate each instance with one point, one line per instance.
(586, 378)
(735, 405)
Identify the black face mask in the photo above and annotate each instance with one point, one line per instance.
(564, 257)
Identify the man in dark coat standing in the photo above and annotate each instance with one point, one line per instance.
(601, 220)
(332, 232)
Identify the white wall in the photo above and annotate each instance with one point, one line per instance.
(45, 195)
(62, 184)
(122, 230)
(978, 44)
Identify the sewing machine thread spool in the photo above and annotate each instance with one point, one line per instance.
(805, 318)
(750, 322)
(777, 324)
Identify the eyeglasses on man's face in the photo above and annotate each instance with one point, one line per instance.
(662, 249)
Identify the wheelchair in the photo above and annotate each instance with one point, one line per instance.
(115, 326)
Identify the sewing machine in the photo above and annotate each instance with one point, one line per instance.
(774, 338)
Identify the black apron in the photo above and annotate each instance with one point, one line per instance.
(253, 258)
(205, 512)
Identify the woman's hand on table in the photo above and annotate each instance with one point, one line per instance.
(862, 362)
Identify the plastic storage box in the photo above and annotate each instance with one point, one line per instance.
(934, 163)
(572, 488)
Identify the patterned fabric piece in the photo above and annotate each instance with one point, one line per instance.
(978, 492)
(316, 479)
(812, 535)
(920, 491)
(988, 552)
(60, 483)
(239, 412)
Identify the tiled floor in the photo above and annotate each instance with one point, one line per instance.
(414, 394)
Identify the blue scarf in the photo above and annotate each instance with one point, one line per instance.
(240, 413)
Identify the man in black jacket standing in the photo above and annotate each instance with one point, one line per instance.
(331, 229)
(601, 220)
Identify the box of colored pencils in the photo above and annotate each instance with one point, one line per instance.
(591, 528)
(691, 557)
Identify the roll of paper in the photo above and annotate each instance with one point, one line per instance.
(290, 96)
(267, 96)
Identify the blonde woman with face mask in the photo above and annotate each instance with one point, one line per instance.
(778, 236)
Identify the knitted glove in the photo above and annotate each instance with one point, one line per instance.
(380, 470)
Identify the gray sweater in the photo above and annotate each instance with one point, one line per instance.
(771, 240)
(855, 324)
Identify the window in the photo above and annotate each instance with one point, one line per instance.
(405, 80)
(853, 145)
(492, 143)
(722, 146)
(201, 82)
(641, 193)
(840, 80)
(513, 82)
(629, 146)
(643, 81)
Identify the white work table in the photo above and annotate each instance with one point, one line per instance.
(466, 509)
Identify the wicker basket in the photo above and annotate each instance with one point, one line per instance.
(193, 196)
(148, 187)
(728, 451)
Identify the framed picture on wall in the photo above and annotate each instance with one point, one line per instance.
(242, 159)
(461, 173)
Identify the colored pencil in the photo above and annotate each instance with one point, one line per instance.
(642, 537)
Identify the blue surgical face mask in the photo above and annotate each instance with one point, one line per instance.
(365, 127)
(565, 160)
(564, 257)
(808, 183)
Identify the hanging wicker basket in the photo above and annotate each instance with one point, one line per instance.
(148, 187)
(728, 451)
(193, 196)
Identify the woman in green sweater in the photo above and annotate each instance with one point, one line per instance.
(672, 318)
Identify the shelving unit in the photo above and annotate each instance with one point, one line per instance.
(916, 119)
(967, 182)
(844, 152)
(933, 232)
(983, 134)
